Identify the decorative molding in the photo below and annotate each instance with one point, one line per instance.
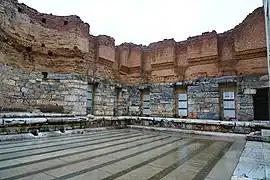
(105, 62)
(203, 60)
(161, 66)
(133, 70)
(124, 69)
(251, 53)
(228, 72)
(260, 67)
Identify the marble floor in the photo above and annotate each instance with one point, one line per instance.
(122, 154)
(254, 162)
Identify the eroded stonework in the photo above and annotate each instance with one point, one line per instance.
(34, 45)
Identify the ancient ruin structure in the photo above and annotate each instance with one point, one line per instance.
(52, 64)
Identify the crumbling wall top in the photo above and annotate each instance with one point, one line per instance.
(257, 13)
(61, 23)
(105, 40)
(162, 44)
(203, 37)
(181, 45)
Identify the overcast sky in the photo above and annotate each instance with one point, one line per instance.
(146, 21)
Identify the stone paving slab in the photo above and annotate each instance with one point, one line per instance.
(138, 155)
(254, 162)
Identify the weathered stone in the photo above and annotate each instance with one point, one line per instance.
(32, 81)
(71, 98)
(9, 82)
(75, 58)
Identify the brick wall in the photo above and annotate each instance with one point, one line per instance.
(61, 44)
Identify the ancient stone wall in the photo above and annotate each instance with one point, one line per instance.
(134, 101)
(104, 100)
(41, 42)
(245, 101)
(67, 93)
(203, 101)
(59, 93)
(204, 97)
(239, 51)
(162, 101)
(36, 41)
(122, 101)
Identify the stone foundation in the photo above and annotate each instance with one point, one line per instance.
(13, 123)
(67, 93)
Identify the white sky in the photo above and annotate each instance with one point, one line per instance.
(146, 21)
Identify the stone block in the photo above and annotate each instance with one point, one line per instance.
(245, 99)
(169, 107)
(194, 88)
(26, 90)
(45, 96)
(211, 88)
(212, 100)
(9, 82)
(193, 108)
(32, 81)
(134, 108)
(213, 116)
(71, 98)
(156, 90)
(191, 101)
(98, 112)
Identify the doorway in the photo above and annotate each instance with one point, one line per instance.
(261, 104)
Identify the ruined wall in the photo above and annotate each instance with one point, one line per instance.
(245, 101)
(226, 54)
(35, 41)
(134, 101)
(129, 58)
(162, 56)
(59, 93)
(122, 99)
(203, 101)
(202, 56)
(162, 101)
(250, 44)
(240, 51)
(67, 93)
(104, 100)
